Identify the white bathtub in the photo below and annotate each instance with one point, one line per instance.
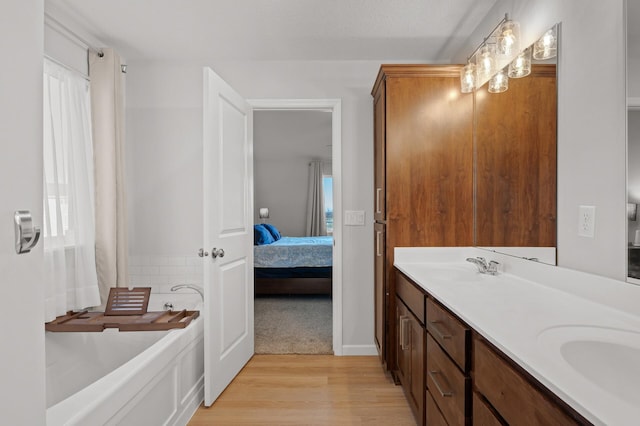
(125, 378)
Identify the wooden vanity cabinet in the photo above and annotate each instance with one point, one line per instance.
(423, 174)
(465, 380)
(410, 356)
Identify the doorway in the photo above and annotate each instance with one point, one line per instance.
(330, 107)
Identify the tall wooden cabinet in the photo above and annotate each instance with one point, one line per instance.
(423, 175)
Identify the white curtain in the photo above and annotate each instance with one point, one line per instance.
(69, 232)
(107, 107)
(316, 221)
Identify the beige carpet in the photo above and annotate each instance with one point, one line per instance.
(293, 325)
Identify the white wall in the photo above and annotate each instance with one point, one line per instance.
(23, 362)
(591, 121)
(284, 144)
(164, 176)
(165, 170)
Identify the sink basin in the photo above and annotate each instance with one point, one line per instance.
(607, 357)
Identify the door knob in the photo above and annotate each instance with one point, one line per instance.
(202, 253)
(216, 252)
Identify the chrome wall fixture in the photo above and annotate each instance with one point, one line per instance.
(499, 57)
(27, 235)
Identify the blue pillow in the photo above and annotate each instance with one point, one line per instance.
(261, 235)
(273, 230)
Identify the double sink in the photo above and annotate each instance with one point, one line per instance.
(589, 354)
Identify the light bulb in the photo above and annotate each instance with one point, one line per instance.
(468, 78)
(546, 47)
(521, 65)
(508, 40)
(499, 83)
(485, 62)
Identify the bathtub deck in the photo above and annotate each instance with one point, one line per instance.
(309, 389)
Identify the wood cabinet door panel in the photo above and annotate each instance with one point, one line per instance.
(379, 138)
(448, 386)
(434, 416)
(429, 162)
(411, 295)
(380, 290)
(517, 400)
(482, 414)
(450, 333)
(417, 385)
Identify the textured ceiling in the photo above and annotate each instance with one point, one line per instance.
(205, 30)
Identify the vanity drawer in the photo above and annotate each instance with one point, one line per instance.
(517, 400)
(451, 333)
(482, 414)
(411, 295)
(434, 416)
(447, 385)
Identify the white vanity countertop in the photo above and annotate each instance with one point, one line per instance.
(530, 320)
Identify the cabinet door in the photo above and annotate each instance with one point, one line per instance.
(403, 358)
(417, 384)
(380, 290)
(410, 358)
(379, 129)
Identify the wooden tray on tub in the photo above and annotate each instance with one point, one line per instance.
(126, 310)
(99, 321)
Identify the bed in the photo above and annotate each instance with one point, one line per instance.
(294, 265)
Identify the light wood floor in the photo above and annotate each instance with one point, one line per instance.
(309, 390)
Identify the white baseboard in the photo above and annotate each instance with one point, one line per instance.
(356, 350)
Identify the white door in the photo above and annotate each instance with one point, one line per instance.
(228, 234)
(22, 373)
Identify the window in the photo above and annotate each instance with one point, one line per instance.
(327, 189)
(69, 225)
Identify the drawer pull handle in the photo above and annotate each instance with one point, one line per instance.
(439, 333)
(404, 321)
(378, 245)
(445, 394)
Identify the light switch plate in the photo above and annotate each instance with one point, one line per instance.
(354, 217)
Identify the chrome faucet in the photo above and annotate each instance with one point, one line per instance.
(490, 268)
(192, 287)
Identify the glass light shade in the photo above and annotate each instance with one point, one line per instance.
(485, 62)
(521, 65)
(468, 78)
(547, 46)
(499, 83)
(508, 39)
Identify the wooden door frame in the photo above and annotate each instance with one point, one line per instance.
(335, 107)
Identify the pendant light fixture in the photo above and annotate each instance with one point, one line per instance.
(499, 82)
(499, 58)
(547, 46)
(508, 38)
(521, 65)
(486, 62)
(468, 78)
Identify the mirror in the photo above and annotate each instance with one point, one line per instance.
(515, 165)
(633, 141)
(633, 193)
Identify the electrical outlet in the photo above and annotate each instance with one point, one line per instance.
(587, 221)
